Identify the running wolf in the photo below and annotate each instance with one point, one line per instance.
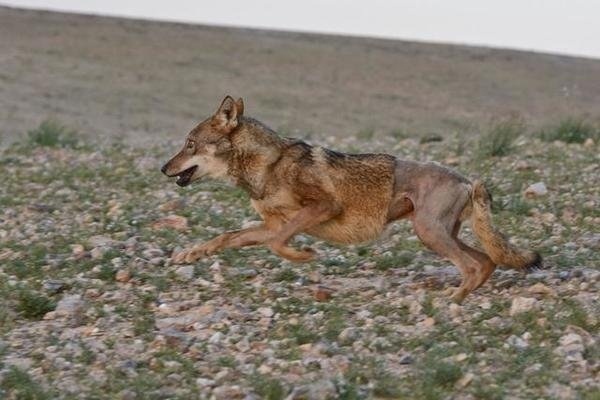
(342, 198)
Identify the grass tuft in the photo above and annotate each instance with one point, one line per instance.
(570, 130)
(499, 140)
(32, 305)
(17, 384)
(267, 388)
(51, 133)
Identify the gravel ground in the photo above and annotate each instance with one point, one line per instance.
(94, 309)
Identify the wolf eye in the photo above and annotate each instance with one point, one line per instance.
(190, 144)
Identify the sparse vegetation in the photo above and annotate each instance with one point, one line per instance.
(498, 140)
(267, 388)
(51, 133)
(570, 130)
(19, 385)
(245, 321)
(33, 305)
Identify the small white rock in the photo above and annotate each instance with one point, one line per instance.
(266, 312)
(535, 190)
(522, 304)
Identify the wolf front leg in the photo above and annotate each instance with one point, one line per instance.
(304, 219)
(240, 238)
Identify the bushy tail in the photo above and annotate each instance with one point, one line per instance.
(495, 244)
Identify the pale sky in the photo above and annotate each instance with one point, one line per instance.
(555, 26)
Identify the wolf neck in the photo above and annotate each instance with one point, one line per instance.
(255, 149)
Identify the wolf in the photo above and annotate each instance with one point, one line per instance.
(342, 198)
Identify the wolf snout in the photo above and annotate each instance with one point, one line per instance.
(164, 169)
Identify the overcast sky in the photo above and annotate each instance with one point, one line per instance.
(556, 26)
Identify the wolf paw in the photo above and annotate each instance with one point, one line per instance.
(289, 253)
(458, 295)
(189, 255)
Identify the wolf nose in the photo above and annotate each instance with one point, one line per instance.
(164, 169)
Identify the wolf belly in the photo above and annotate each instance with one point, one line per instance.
(349, 229)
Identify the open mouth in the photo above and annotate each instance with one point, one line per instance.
(185, 177)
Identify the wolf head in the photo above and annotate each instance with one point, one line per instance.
(207, 148)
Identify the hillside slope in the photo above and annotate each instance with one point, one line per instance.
(146, 80)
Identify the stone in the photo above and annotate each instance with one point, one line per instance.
(123, 275)
(243, 345)
(406, 359)
(541, 289)
(319, 390)
(227, 392)
(77, 250)
(152, 253)
(172, 205)
(53, 286)
(427, 323)
(245, 273)
(185, 273)
(348, 335)
(571, 347)
(454, 310)
(517, 342)
(175, 222)
(69, 306)
(314, 277)
(100, 241)
(127, 394)
(204, 382)
(98, 252)
(266, 312)
(216, 338)
(536, 190)
(322, 293)
(520, 305)
(464, 381)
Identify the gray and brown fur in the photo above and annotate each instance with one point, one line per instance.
(341, 198)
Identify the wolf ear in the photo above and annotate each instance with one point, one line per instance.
(240, 106)
(228, 113)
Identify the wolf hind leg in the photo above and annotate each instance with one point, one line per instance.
(435, 236)
(437, 222)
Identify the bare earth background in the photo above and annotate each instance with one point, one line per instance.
(146, 80)
(91, 306)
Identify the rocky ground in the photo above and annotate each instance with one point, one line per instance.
(93, 308)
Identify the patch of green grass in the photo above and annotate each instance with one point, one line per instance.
(487, 392)
(442, 374)
(570, 130)
(366, 133)
(348, 391)
(335, 323)
(401, 259)
(17, 384)
(285, 275)
(87, 356)
(32, 305)
(400, 133)
(106, 273)
(431, 138)
(371, 371)
(267, 388)
(590, 394)
(499, 140)
(517, 205)
(301, 334)
(51, 133)
(576, 315)
(226, 362)
(143, 323)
